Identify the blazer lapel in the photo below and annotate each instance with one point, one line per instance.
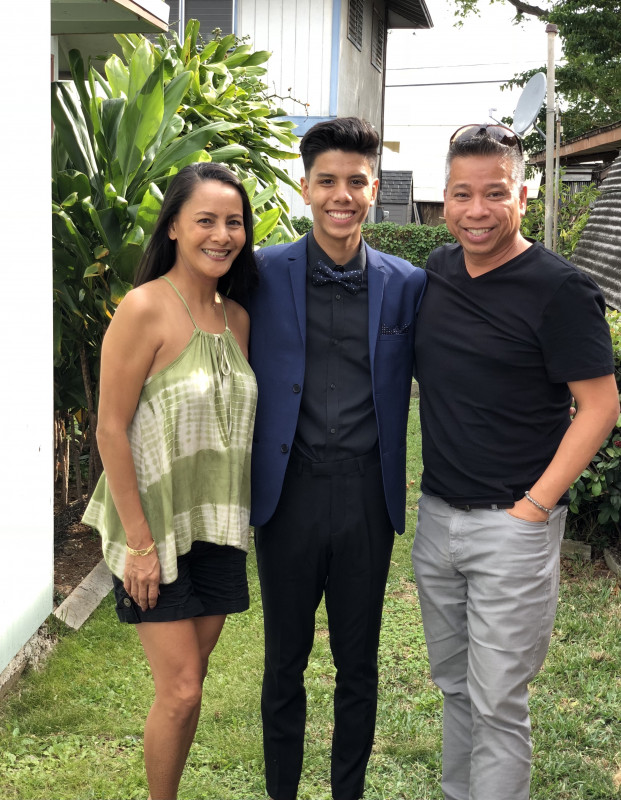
(296, 262)
(376, 295)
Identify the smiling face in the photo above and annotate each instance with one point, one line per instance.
(340, 189)
(483, 207)
(209, 230)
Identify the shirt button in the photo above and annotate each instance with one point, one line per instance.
(337, 297)
(296, 388)
(335, 341)
(284, 448)
(333, 385)
(127, 602)
(332, 430)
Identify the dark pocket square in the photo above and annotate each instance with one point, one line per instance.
(395, 330)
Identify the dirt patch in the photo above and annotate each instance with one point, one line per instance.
(77, 549)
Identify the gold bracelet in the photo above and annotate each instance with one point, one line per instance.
(147, 550)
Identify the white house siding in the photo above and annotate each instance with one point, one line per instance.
(299, 36)
(26, 494)
(360, 83)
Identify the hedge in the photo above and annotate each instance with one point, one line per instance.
(414, 243)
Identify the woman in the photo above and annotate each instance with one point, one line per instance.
(176, 412)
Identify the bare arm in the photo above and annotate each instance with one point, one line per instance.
(128, 351)
(239, 323)
(598, 409)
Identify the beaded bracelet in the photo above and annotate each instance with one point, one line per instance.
(147, 550)
(537, 503)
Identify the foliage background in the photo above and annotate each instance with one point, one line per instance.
(118, 139)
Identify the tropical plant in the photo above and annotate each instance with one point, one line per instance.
(117, 142)
(595, 498)
(573, 213)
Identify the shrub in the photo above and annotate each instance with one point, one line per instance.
(412, 242)
(574, 210)
(302, 225)
(595, 498)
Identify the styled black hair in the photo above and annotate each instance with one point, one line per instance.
(350, 134)
(485, 145)
(161, 252)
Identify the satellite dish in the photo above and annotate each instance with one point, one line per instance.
(530, 102)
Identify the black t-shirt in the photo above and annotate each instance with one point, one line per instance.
(494, 355)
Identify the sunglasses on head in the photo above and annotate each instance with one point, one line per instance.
(500, 133)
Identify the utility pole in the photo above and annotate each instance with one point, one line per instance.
(551, 30)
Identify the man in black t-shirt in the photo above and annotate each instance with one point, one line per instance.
(508, 332)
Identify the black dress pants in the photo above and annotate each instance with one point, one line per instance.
(330, 534)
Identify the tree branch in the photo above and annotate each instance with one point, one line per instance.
(525, 8)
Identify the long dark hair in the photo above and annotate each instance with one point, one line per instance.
(161, 252)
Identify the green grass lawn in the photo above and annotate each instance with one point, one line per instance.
(73, 731)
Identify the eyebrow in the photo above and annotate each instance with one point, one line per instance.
(207, 213)
(331, 175)
(464, 185)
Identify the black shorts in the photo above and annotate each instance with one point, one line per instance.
(211, 581)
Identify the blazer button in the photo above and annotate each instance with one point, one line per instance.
(284, 448)
(296, 388)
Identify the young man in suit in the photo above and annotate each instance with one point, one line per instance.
(332, 345)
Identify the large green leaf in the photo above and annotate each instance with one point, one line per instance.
(72, 182)
(70, 126)
(224, 46)
(139, 125)
(88, 206)
(260, 199)
(149, 209)
(112, 111)
(267, 222)
(228, 152)
(141, 67)
(197, 140)
(171, 122)
(118, 76)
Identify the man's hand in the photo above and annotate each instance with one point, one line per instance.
(528, 511)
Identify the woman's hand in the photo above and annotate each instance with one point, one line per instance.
(142, 579)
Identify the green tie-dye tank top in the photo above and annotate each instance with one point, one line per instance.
(190, 439)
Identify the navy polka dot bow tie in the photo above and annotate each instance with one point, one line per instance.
(350, 280)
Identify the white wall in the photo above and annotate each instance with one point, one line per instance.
(26, 491)
(299, 35)
(360, 83)
(314, 62)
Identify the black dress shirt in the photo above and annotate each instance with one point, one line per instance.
(337, 416)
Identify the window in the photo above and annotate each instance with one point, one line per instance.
(378, 41)
(210, 13)
(354, 24)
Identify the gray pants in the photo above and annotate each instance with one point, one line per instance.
(488, 589)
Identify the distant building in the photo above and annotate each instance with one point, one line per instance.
(396, 195)
(599, 249)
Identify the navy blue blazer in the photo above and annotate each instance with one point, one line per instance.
(277, 355)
